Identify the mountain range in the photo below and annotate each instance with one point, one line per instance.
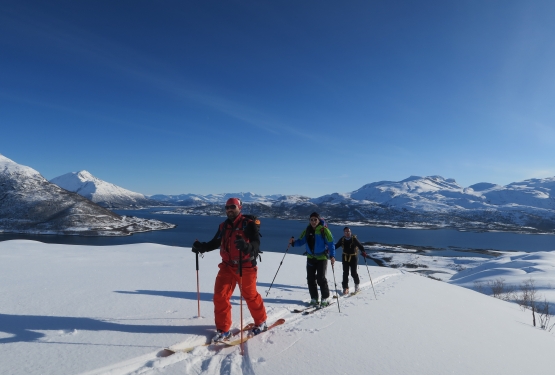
(31, 204)
(417, 202)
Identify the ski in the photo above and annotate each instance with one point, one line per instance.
(248, 337)
(296, 311)
(172, 350)
(307, 312)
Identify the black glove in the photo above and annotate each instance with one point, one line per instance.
(241, 245)
(198, 247)
(363, 253)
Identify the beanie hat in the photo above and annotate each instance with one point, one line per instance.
(235, 201)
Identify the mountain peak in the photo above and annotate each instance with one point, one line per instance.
(101, 192)
(84, 175)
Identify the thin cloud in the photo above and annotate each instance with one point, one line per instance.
(127, 61)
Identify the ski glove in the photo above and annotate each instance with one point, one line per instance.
(363, 253)
(198, 247)
(241, 245)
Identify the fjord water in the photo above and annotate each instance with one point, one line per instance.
(276, 232)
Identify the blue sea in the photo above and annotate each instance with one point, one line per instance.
(276, 233)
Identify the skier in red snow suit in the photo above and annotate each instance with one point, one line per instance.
(239, 241)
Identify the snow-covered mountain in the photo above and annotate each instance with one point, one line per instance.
(31, 204)
(426, 202)
(198, 199)
(103, 193)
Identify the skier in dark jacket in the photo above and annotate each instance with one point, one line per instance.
(350, 243)
(319, 245)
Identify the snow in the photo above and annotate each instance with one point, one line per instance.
(99, 191)
(9, 167)
(70, 309)
(514, 269)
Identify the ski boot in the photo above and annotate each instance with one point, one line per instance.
(259, 329)
(221, 336)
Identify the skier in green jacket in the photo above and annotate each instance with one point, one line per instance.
(319, 245)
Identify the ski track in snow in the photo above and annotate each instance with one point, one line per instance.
(203, 360)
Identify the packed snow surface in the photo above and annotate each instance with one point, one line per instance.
(111, 310)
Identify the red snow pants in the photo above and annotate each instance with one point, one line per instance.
(227, 279)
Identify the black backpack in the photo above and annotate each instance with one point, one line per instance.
(256, 221)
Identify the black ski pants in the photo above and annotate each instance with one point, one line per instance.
(350, 265)
(316, 275)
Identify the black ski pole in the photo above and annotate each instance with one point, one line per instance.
(370, 277)
(286, 250)
(336, 294)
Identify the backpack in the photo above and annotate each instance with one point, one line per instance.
(256, 223)
(353, 237)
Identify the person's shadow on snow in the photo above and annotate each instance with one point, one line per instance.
(205, 296)
(24, 327)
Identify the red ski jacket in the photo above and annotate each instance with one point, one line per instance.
(225, 237)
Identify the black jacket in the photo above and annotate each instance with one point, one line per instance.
(349, 246)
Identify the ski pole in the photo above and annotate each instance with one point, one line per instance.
(268, 291)
(198, 289)
(241, 293)
(370, 277)
(336, 294)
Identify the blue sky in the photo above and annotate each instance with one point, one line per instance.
(290, 97)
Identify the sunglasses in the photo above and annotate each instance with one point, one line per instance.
(314, 219)
(231, 207)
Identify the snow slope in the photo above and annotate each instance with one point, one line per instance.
(514, 269)
(110, 310)
(9, 168)
(103, 193)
